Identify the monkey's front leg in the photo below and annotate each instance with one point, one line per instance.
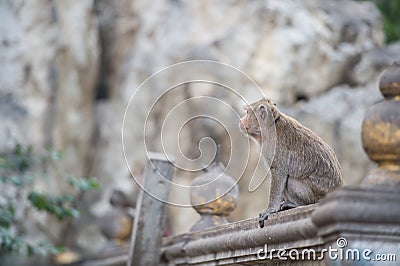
(278, 184)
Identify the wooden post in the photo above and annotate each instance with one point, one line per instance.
(150, 215)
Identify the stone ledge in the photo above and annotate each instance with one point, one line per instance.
(241, 241)
(368, 218)
(359, 210)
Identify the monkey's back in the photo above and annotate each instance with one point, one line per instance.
(305, 156)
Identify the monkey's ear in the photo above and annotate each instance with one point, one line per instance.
(275, 113)
(262, 111)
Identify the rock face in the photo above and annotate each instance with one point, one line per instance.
(49, 53)
(68, 70)
(49, 60)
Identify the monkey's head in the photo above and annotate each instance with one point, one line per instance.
(259, 115)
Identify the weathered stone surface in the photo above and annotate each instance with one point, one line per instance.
(48, 68)
(90, 239)
(291, 49)
(242, 241)
(57, 58)
(214, 196)
(372, 63)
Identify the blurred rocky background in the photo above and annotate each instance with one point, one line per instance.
(69, 68)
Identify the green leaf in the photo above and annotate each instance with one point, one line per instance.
(57, 206)
(390, 10)
(16, 180)
(67, 198)
(51, 155)
(16, 169)
(84, 184)
(6, 217)
(31, 250)
(74, 213)
(58, 211)
(22, 158)
(94, 184)
(47, 247)
(38, 201)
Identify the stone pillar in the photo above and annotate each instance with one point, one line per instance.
(150, 216)
(361, 225)
(213, 195)
(117, 222)
(381, 133)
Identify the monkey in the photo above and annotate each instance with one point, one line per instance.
(303, 166)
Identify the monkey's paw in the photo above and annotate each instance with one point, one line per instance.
(287, 205)
(264, 216)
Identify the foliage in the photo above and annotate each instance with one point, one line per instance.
(19, 168)
(390, 10)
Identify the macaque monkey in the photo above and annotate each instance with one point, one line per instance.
(303, 166)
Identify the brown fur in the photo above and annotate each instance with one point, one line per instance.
(303, 166)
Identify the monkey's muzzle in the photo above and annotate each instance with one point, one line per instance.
(243, 126)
